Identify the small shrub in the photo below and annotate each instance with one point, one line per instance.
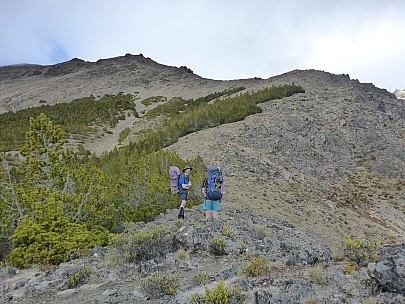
(220, 294)
(51, 243)
(196, 298)
(79, 278)
(150, 100)
(256, 266)
(202, 278)
(217, 246)
(143, 245)
(360, 250)
(349, 267)
(318, 275)
(227, 231)
(181, 255)
(124, 134)
(159, 285)
(262, 232)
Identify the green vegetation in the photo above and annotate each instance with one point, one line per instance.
(227, 231)
(124, 134)
(350, 267)
(76, 117)
(202, 278)
(217, 246)
(142, 245)
(178, 105)
(52, 242)
(360, 250)
(153, 99)
(256, 266)
(54, 203)
(79, 277)
(219, 294)
(158, 285)
(203, 116)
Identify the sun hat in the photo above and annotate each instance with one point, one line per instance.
(187, 167)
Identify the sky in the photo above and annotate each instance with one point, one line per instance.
(217, 39)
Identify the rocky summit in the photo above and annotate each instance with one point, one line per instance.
(307, 181)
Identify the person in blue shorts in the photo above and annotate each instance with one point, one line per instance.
(211, 208)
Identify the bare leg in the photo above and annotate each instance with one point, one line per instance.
(208, 213)
(215, 214)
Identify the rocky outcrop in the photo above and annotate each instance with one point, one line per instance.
(389, 273)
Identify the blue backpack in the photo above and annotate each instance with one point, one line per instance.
(213, 183)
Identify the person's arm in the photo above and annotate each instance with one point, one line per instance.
(182, 183)
(203, 186)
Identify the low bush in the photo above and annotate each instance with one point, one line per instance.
(262, 232)
(219, 294)
(181, 255)
(158, 285)
(360, 250)
(202, 278)
(227, 231)
(143, 244)
(318, 275)
(79, 277)
(51, 243)
(349, 267)
(124, 134)
(256, 266)
(217, 246)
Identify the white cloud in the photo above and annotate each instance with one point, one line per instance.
(219, 39)
(368, 53)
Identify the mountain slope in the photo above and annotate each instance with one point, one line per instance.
(22, 86)
(330, 160)
(327, 162)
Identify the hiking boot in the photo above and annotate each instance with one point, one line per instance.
(181, 213)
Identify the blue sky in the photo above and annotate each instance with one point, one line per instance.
(217, 39)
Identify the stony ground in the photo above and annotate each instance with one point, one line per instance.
(299, 268)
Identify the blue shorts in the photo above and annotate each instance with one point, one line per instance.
(211, 205)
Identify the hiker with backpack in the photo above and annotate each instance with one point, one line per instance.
(212, 189)
(184, 185)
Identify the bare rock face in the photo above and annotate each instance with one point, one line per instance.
(389, 273)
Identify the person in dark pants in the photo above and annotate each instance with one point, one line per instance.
(185, 184)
